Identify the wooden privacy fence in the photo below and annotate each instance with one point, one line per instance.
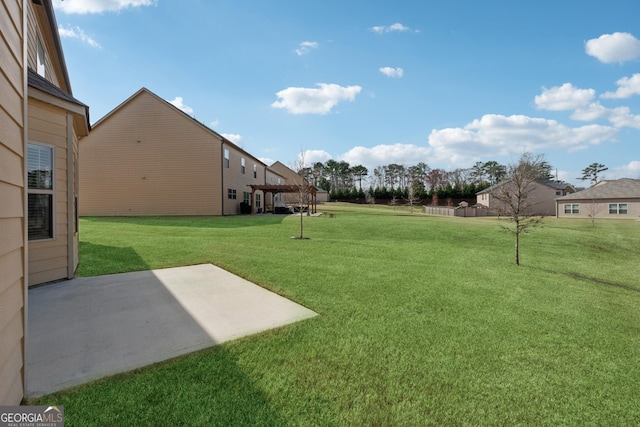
(461, 212)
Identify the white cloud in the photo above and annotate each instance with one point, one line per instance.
(214, 123)
(266, 160)
(385, 154)
(622, 117)
(630, 170)
(315, 156)
(619, 117)
(301, 100)
(627, 87)
(233, 137)
(179, 103)
(397, 27)
(616, 47)
(591, 112)
(392, 72)
(305, 47)
(565, 97)
(98, 6)
(77, 33)
(498, 135)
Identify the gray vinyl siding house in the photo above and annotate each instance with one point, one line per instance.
(613, 199)
(542, 194)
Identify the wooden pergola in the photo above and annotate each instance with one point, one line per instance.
(304, 190)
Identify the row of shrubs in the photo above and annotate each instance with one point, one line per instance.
(383, 193)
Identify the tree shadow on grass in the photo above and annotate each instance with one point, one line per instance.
(601, 282)
(583, 277)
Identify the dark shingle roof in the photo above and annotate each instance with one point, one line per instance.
(624, 188)
(549, 183)
(36, 81)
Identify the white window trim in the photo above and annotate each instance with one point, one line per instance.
(226, 160)
(574, 208)
(54, 228)
(617, 205)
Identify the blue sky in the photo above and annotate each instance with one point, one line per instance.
(448, 83)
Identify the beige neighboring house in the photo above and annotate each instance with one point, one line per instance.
(147, 157)
(273, 200)
(295, 179)
(542, 196)
(40, 125)
(613, 199)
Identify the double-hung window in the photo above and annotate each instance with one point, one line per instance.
(246, 197)
(40, 191)
(243, 166)
(255, 171)
(226, 158)
(618, 208)
(231, 193)
(572, 208)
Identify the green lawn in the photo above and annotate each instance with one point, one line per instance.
(423, 321)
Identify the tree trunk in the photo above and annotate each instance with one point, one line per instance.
(517, 245)
(301, 221)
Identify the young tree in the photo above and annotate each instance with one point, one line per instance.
(411, 195)
(592, 172)
(370, 197)
(513, 197)
(394, 201)
(302, 187)
(593, 209)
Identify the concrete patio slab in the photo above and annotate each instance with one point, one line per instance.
(88, 328)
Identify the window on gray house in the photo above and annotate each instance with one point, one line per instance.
(618, 208)
(572, 208)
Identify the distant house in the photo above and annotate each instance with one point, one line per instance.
(619, 199)
(293, 177)
(273, 199)
(147, 157)
(40, 126)
(541, 196)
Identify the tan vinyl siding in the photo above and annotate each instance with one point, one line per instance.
(12, 244)
(11, 355)
(271, 178)
(147, 158)
(235, 179)
(52, 67)
(48, 259)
